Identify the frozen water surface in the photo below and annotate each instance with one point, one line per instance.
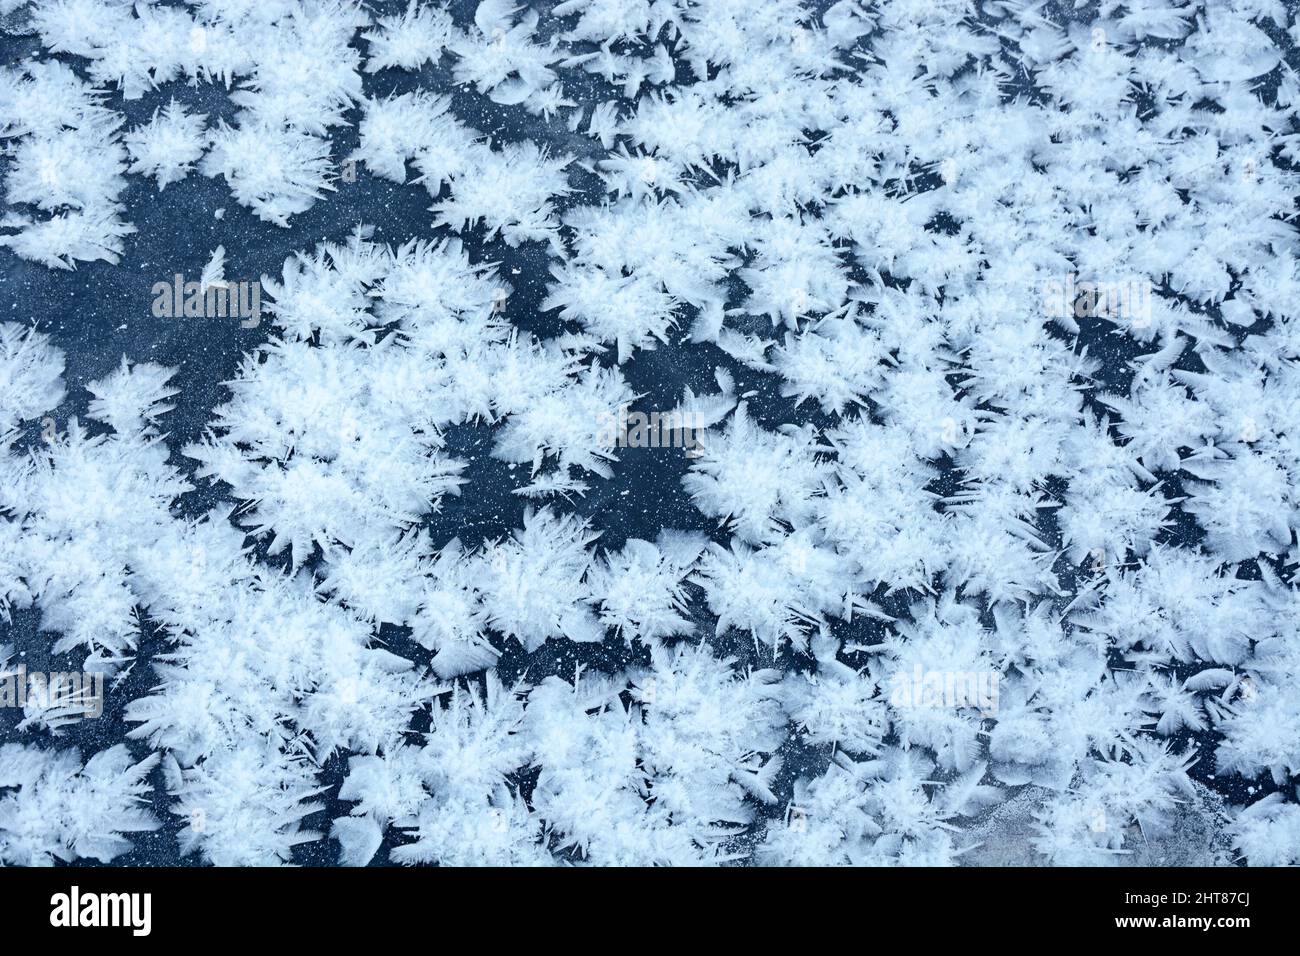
(673, 432)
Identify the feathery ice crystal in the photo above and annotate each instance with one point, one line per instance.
(984, 315)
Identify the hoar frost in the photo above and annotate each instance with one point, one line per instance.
(990, 511)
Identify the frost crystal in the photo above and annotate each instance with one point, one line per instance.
(705, 432)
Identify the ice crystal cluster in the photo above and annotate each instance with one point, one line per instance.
(983, 313)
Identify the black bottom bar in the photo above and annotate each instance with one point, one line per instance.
(966, 905)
